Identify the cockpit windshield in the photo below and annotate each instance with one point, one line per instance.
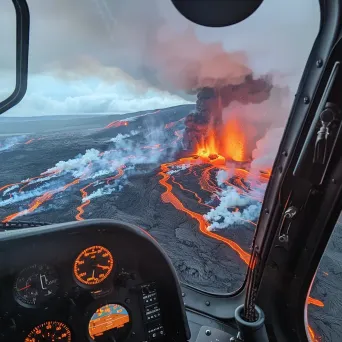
(134, 113)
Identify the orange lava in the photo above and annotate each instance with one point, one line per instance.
(234, 141)
(209, 147)
(29, 141)
(81, 207)
(319, 303)
(84, 193)
(205, 181)
(312, 334)
(120, 173)
(316, 302)
(266, 173)
(8, 186)
(173, 123)
(169, 197)
(117, 123)
(199, 199)
(37, 202)
(25, 183)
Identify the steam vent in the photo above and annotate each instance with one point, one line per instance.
(209, 108)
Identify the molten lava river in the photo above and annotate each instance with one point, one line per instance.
(202, 207)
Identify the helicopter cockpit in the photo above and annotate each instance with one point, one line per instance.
(104, 280)
(170, 170)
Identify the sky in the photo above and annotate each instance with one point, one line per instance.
(113, 56)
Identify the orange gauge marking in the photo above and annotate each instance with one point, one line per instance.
(49, 331)
(93, 265)
(108, 317)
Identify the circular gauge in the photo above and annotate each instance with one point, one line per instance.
(111, 320)
(49, 331)
(36, 284)
(93, 265)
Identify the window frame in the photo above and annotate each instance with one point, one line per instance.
(288, 271)
(22, 52)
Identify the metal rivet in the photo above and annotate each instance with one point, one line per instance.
(333, 181)
(284, 153)
(306, 99)
(319, 63)
(207, 303)
(267, 211)
(127, 300)
(208, 332)
(183, 294)
(280, 169)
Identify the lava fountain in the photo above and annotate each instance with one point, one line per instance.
(207, 119)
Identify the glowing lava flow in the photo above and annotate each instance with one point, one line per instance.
(169, 197)
(319, 303)
(205, 182)
(117, 123)
(120, 173)
(84, 193)
(29, 141)
(37, 202)
(8, 186)
(312, 334)
(316, 302)
(27, 182)
(81, 207)
(199, 199)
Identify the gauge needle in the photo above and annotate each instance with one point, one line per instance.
(24, 288)
(103, 267)
(41, 281)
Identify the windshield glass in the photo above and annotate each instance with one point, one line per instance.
(133, 113)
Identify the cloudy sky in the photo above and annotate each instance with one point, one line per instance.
(113, 56)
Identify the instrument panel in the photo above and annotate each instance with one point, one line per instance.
(96, 280)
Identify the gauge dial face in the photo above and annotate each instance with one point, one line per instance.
(93, 265)
(111, 319)
(35, 285)
(49, 331)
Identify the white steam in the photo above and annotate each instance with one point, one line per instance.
(224, 215)
(225, 218)
(10, 189)
(10, 142)
(266, 150)
(26, 195)
(178, 168)
(223, 175)
(120, 136)
(105, 191)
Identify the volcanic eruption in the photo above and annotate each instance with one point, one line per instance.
(207, 135)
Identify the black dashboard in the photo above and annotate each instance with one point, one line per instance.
(95, 280)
